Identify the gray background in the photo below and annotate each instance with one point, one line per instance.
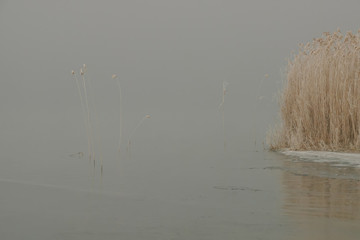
(171, 56)
(190, 175)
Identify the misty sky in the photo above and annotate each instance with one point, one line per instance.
(171, 56)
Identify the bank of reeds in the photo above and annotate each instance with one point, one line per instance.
(320, 101)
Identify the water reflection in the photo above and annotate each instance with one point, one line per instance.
(321, 190)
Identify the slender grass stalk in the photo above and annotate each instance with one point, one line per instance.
(95, 127)
(115, 77)
(91, 142)
(222, 109)
(224, 92)
(84, 111)
(134, 130)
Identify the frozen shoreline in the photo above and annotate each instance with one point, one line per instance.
(324, 156)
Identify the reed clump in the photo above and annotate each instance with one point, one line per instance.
(320, 101)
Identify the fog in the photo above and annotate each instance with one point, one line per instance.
(172, 58)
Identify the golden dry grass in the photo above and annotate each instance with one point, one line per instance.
(320, 101)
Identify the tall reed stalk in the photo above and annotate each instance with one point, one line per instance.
(134, 130)
(90, 116)
(320, 101)
(115, 77)
(222, 109)
(82, 91)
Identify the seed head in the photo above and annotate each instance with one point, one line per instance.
(114, 76)
(73, 72)
(147, 116)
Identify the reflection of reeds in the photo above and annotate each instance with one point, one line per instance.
(310, 195)
(320, 107)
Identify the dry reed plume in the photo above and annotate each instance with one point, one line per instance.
(320, 102)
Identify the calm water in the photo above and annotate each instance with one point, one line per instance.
(194, 170)
(196, 192)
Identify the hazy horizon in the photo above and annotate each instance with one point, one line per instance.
(172, 58)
